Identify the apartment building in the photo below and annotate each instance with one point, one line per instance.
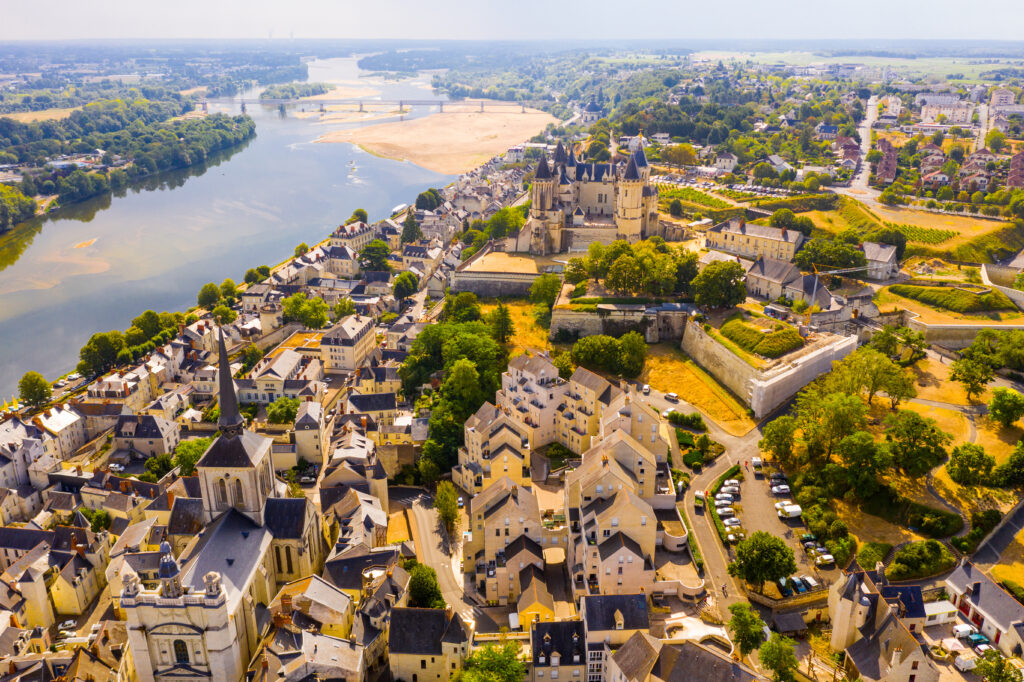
(531, 393)
(578, 417)
(494, 448)
(737, 237)
(347, 344)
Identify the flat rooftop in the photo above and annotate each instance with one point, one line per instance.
(310, 340)
(498, 261)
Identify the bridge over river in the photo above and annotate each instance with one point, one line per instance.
(363, 103)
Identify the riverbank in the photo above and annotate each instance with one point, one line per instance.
(452, 142)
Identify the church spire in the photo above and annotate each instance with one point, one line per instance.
(230, 421)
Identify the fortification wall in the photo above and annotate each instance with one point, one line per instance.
(493, 284)
(729, 369)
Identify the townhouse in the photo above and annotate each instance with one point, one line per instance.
(347, 344)
(494, 447)
(737, 237)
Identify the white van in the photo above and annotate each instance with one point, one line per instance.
(672, 397)
(790, 511)
(966, 661)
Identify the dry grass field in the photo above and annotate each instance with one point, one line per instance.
(668, 369)
(868, 528)
(398, 527)
(41, 115)
(966, 227)
(933, 383)
(529, 336)
(888, 301)
(1011, 563)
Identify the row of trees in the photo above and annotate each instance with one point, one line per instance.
(149, 330)
(15, 207)
(647, 267)
(625, 355)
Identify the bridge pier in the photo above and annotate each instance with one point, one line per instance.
(243, 106)
(360, 105)
(481, 106)
(401, 105)
(205, 103)
(440, 107)
(523, 105)
(322, 108)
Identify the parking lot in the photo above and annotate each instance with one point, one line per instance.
(755, 509)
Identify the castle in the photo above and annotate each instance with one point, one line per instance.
(574, 204)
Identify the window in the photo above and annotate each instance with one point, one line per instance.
(277, 554)
(288, 558)
(222, 493)
(423, 664)
(180, 651)
(914, 665)
(239, 494)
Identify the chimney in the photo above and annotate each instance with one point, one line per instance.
(282, 619)
(264, 662)
(170, 499)
(362, 420)
(976, 588)
(286, 603)
(448, 612)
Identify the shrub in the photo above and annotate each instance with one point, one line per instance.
(685, 438)
(1016, 590)
(891, 506)
(773, 344)
(923, 235)
(871, 553)
(920, 560)
(693, 459)
(955, 299)
(842, 549)
(692, 421)
(982, 524)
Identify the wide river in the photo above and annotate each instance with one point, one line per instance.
(95, 265)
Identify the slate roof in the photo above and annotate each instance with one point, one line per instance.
(774, 270)
(241, 451)
(600, 610)
(616, 542)
(186, 516)
(874, 251)
(145, 426)
(373, 402)
(693, 662)
(993, 601)
(548, 637)
(417, 631)
(285, 516)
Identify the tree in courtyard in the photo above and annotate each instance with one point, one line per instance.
(424, 592)
(411, 231)
(973, 374)
(917, 443)
(446, 502)
(209, 295)
(374, 256)
(576, 271)
(778, 654)
(778, 439)
(492, 663)
(34, 389)
(429, 471)
(719, 285)
(159, 465)
(188, 452)
(746, 627)
(311, 312)
(761, 558)
(406, 284)
(283, 410)
(994, 667)
(563, 362)
(969, 464)
(343, 308)
(99, 519)
(625, 276)
(544, 290)
(1006, 406)
(224, 314)
(501, 323)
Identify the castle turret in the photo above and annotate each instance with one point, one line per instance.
(544, 226)
(629, 204)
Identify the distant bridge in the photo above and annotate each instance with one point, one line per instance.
(363, 103)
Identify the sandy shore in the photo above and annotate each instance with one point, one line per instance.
(345, 113)
(452, 142)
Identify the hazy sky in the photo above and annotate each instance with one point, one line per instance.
(510, 19)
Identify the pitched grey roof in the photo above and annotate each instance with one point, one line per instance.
(601, 611)
(566, 637)
(373, 402)
(286, 516)
(617, 542)
(238, 451)
(774, 270)
(874, 251)
(417, 631)
(993, 601)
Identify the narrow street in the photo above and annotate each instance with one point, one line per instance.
(859, 188)
(433, 549)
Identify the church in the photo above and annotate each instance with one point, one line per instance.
(573, 204)
(245, 539)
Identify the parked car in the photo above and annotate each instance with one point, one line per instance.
(756, 462)
(776, 476)
(731, 489)
(784, 588)
(723, 496)
(672, 397)
(730, 481)
(736, 535)
(69, 625)
(462, 502)
(726, 512)
(809, 547)
(982, 648)
(808, 536)
(722, 503)
(307, 479)
(797, 584)
(790, 511)
(782, 503)
(780, 489)
(811, 583)
(646, 389)
(665, 414)
(732, 522)
(824, 559)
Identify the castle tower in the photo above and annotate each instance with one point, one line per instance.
(544, 225)
(629, 204)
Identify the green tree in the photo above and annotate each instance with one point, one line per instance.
(865, 461)
(406, 284)
(778, 654)
(1006, 406)
(995, 140)
(374, 256)
(501, 323)
(410, 228)
(632, 354)
(563, 361)
(778, 439)
(228, 289)
(224, 314)
(100, 352)
(827, 419)
(283, 410)
(429, 471)
(993, 667)
(493, 663)
(310, 312)
(624, 276)
(148, 323)
(424, 592)
(686, 271)
(746, 627)
(359, 215)
(720, 285)
(973, 374)
(447, 505)
(302, 248)
(462, 307)
(544, 290)
(209, 295)
(263, 270)
(159, 465)
(188, 452)
(917, 443)
(252, 276)
(675, 208)
(969, 464)
(901, 385)
(761, 558)
(343, 308)
(34, 389)
(99, 519)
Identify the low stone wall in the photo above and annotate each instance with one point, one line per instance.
(1001, 278)
(493, 284)
(953, 336)
(723, 364)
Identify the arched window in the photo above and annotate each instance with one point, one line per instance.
(239, 495)
(222, 493)
(180, 651)
(288, 557)
(277, 554)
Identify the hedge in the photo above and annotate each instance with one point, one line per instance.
(774, 344)
(698, 558)
(895, 508)
(1016, 590)
(982, 524)
(797, 204)
(871, 553)
(690, 421)
(955, 299)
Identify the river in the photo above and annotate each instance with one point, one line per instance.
(95, 265)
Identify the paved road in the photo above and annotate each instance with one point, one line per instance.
(434, 549)
(983, 124)
(859, 188)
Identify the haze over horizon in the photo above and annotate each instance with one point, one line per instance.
(528, 19)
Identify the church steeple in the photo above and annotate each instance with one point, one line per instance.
(230, 421)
